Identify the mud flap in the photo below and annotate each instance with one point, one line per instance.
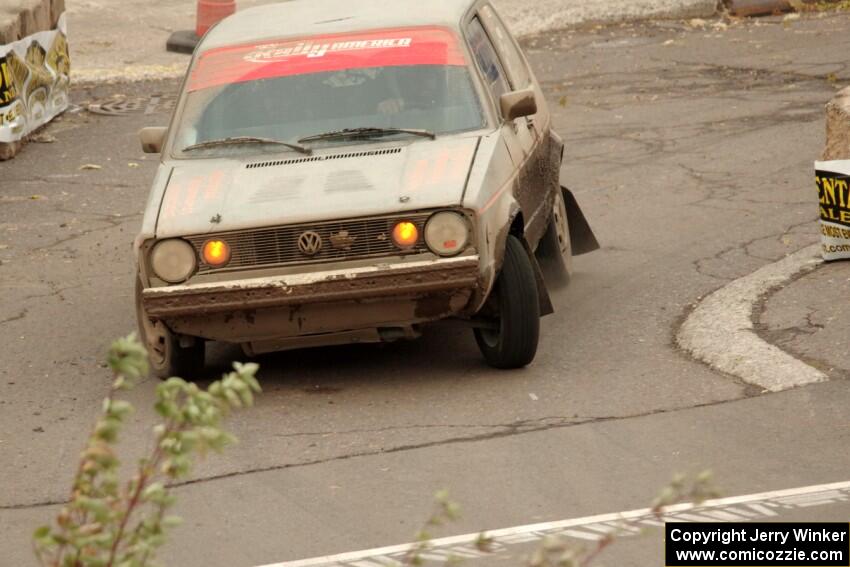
(546, 307)
(581, 235)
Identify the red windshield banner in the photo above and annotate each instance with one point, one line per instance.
(381, 48)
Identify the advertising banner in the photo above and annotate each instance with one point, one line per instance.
(34, 82)
(833, 183)
(320, 54)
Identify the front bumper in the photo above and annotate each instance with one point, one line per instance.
(373, 282)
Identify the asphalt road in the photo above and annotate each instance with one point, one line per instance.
(690, 150)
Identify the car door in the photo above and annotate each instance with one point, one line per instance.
(505, 70)
(532, 132)
(516, 71)
(495, 79)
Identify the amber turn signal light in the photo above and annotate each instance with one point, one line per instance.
(405, 234)
(216, 253)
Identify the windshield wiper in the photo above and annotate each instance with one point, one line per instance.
(367, 133)
(246, 140)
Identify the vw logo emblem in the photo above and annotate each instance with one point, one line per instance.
(310, 243)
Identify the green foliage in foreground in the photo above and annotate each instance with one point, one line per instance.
(110, 523)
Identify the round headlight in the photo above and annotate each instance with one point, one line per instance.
(447, 233)
(173, 260)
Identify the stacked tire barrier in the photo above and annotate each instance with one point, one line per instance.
(34, 69)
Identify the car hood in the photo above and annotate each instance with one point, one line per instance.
(205, 195)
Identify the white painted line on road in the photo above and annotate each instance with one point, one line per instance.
(720, 330)
(741, 508)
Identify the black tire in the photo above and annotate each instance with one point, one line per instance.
(165, 355)
(554, 252)
(513, 343)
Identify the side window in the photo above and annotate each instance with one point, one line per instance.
(514, 62)
(488, 61)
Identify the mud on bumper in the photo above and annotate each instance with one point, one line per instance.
(373, 282)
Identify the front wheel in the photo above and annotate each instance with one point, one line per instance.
(512, 342)
(166, 356)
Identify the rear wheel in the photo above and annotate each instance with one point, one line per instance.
(167, 358)
(512, 342)
(555, 251)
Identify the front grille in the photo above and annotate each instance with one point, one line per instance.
(341, 240)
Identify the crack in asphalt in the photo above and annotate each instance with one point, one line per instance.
(785, 336)
(521, 427)
(660, 140)
(72, 237)
(781, 338)
(403, 428)
(111, 220)
(719, 186)
(65, 181)
(70, 179)
(56, 291)
(683, 80)
(699, 263)
(17, 317)
(733, 73)
(686, 80)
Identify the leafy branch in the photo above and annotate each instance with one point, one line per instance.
(108, 523)
(445, 511)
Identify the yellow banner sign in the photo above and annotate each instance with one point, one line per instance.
(34, 82)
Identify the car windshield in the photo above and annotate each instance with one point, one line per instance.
(407, 79)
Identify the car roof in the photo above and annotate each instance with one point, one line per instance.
(305, 18)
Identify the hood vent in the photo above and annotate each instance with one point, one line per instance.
(323, 158)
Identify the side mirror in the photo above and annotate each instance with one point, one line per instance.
(152, 139)
(517, 104)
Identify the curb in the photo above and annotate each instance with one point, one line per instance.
(528, 19)
(132, 74)
(720, 330)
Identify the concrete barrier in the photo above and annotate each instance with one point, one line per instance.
(838, 127)
(19, 19)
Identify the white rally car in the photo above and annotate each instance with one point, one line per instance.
(342, 172)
